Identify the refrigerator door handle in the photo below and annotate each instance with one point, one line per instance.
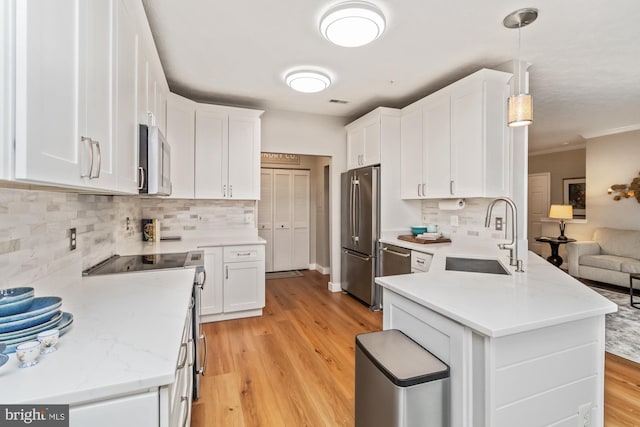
(356, 185)
(352, 254)
(352, 218)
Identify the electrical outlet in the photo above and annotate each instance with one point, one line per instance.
(72, 239)
(248, 218)
(128, 224)
(498, 223)
(200, 218)
(584, 415)
(454, 220)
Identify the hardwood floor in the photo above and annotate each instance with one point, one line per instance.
(294, 366)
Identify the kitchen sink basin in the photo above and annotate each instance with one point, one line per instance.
(475, 265)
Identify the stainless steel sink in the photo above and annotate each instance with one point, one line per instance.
(475, 265)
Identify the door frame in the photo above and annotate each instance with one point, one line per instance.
(533, 245)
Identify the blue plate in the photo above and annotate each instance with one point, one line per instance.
(28, 323)
(16, 307)
(49, 324)
(3, 359)
(38, 306)
(63, 327)
(14, 294)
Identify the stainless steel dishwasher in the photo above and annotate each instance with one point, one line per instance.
(394, 260)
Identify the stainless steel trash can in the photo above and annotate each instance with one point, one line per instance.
(399, 383)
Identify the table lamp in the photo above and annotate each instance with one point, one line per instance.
(561, 212)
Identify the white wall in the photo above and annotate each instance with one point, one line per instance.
(312, 134)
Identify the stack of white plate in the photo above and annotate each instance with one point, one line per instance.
(23, 317)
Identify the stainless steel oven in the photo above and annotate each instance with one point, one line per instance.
(139, 263)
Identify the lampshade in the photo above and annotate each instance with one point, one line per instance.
(561, 212)
(352, 24)
(520, 110)
(307, 81)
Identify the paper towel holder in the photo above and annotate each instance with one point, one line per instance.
(451, 204)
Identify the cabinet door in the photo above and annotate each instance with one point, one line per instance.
(282, 230)
(181, 117)
(265, 215)
(467, 141)
(243, 286)
(436, 140)
(355, 148)
(300, 219)
(211, 302)
(211, 154)
(126, 138)
(48, 147)
(6, 88)
(372, 143)
(411, 164)
(140, 410)
(244, 158)
(96, 118)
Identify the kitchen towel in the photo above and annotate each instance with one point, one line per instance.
(451, 205)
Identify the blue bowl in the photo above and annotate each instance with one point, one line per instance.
(418, 229)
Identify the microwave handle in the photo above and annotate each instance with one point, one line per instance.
(141, 177)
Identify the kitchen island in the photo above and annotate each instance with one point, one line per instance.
(524, 349)
(117, 363)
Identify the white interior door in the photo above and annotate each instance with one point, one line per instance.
(300, 216)
(282, 248)
(265, 215)
(539, 201)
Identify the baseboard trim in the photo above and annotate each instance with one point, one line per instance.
(320, 269)
(334, 287)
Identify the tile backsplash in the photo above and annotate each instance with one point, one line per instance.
(470, 219)
(34, 227)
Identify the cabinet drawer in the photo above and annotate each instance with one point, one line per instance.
(420, 261)
(243, 253)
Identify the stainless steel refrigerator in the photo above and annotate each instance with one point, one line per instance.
(360, 231)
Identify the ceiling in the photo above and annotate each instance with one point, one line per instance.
(585, 56)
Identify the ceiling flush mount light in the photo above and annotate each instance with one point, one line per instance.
(307, 81)
(520, 106)
(352, 23)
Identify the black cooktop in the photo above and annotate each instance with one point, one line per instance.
(130, 263)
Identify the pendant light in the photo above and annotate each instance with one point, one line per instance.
(520, 106)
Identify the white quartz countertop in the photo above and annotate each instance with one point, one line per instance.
(125, 338)
(429, 248)
(498, 305)
(190, 244)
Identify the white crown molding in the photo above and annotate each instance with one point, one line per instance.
(571, 147)
(613, 131)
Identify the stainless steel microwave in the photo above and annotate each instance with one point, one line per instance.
(154, 162)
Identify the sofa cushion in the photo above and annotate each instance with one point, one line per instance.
(625, 243)
(608, 262)
(631, 266)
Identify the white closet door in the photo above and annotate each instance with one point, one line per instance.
(300, 216)
(282, 233)
(265, 215)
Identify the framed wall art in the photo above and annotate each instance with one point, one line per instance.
(575, 194)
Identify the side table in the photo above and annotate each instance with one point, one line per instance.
(555, 243)
(632, 277)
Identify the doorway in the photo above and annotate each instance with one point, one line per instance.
(538, 202)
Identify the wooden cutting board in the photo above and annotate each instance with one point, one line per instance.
(413, 239)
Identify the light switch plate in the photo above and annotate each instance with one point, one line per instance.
(72, 239)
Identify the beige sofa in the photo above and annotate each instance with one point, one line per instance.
(610, 257)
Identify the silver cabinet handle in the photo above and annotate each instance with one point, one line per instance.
(224, 190)
(141, 177)
(418, 190)
(86, 140)
(423, 193)
(184, 399)
(226, 268)
(191, 359)
(420, 261)
(203, 369)
(230, 190)
(184, 359)
(244, 254)
(391, 251)
(97, 144)
(451, 187)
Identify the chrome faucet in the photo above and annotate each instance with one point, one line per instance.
(512, 246)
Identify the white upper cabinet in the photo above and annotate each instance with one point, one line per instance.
(455, 142)
(363, 141)
(6, 87)
(181, 120)
(227, 150)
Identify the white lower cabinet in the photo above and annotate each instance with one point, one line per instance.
(235, 282)
(139, 410)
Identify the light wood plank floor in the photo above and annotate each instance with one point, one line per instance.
(294, 366)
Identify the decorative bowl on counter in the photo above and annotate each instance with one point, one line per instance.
(418, 229)
(15, 300)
